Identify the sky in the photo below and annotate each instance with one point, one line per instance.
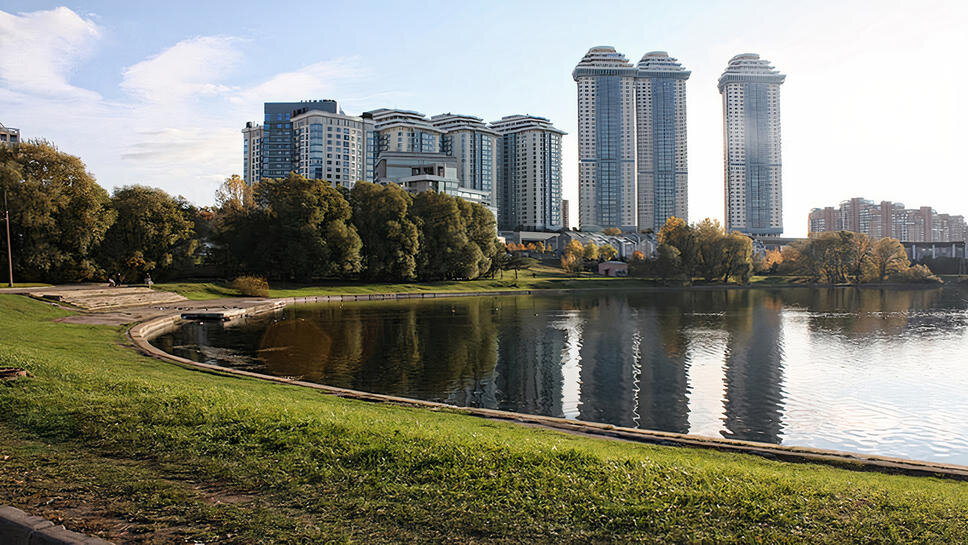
(157, 93)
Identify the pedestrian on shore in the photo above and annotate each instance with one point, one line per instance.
(148, 281)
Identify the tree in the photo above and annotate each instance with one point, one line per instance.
(234, 193)
(389, 236)
(518, 262)
(638, 256)
(612, 231)
(481, 227)
(590, 252)
(712, 262)
(607, 252)
(888, 258)
(446, 251)
(153, 233)
(58, 213)
(667, 263)
(299, 230)
(679, 235)
(737, 257)
(571, 260)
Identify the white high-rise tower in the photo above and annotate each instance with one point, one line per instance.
(750, 87)
(606, 140)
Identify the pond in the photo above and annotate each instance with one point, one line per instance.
(866, 370)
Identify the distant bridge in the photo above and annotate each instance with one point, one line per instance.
(916, 251)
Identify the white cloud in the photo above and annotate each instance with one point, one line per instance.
(314, 80)
(189, 69)
(42, 48)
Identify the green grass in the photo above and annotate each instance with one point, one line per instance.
(544, 277)
(139, 450)
(24, 285)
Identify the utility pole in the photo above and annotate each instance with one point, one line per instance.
(6, 218)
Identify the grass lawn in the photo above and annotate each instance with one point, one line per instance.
(138, 450)
(24, 285)
(544, 277)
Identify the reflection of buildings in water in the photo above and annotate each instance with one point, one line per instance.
(662, 387)
(753, 372)
(529, 374)
(864, 312)
(608, 362)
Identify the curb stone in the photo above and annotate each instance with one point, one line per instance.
(19, 528)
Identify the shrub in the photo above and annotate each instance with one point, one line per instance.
(252, 286)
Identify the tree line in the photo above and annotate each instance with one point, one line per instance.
(67, 228)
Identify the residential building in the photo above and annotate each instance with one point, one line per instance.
(750, 88)
(474, 145)
(329, 146)
(252, 152)
(279, 155)
(405, 131)
(606, 140)
(424, 171)
(661, 150)
(565, 214)
(888, 219)
(9, 135)
(528, 173)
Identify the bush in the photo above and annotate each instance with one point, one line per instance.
(252, 286)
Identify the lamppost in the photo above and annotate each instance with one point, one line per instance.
(6, 220)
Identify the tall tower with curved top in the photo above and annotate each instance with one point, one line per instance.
(606, 140)
(750, 88)
(660, 118)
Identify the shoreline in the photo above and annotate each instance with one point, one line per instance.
(142, 333)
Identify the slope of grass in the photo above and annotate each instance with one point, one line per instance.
(139, 450)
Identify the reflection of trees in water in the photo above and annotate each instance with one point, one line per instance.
(753, 371)
(529, 377)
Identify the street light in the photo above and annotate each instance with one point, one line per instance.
(6, 220)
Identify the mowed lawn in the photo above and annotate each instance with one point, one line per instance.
(539, 277)
(139, 450)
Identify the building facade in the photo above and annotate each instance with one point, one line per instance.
(565, 214)
(474, 145)
(9, 135)
(528, 173)
(606, 140)
(329, 146)
(888, 219)
(252, 152)
(750, 88)
(661, 148)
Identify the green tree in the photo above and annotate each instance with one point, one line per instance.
(481, 227)
(590, 252)
(518, 262)
(389, 236)
(300, 230)
(679, 235)
(668, 263)
(737, 254)
(713, 262)
(607, 252)
(234, 194)
(153, 233)
(446, 251)
(58, 213)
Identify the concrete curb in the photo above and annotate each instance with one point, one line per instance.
(19, 528)
(142, 333)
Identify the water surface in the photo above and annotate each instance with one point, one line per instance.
(865, 370)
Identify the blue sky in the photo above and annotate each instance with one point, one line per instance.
(156, 93)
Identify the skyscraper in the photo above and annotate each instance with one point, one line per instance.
(750, 87)
(606, 139)
(660, 118)
(528, 173)
(469, 140)
(252, 152)
(329, 146)
(278, 142)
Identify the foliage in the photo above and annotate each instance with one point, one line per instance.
(638, 256)
(685, 240)
(846, 257)
(612, 231)
(234, 194)
(58, 213)
(153, 233)
(571, 259)
(252, 286)
(590, 252)
(447, 252)
(390, 238)
(517, 262)
(607, 252)
(702, 250)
